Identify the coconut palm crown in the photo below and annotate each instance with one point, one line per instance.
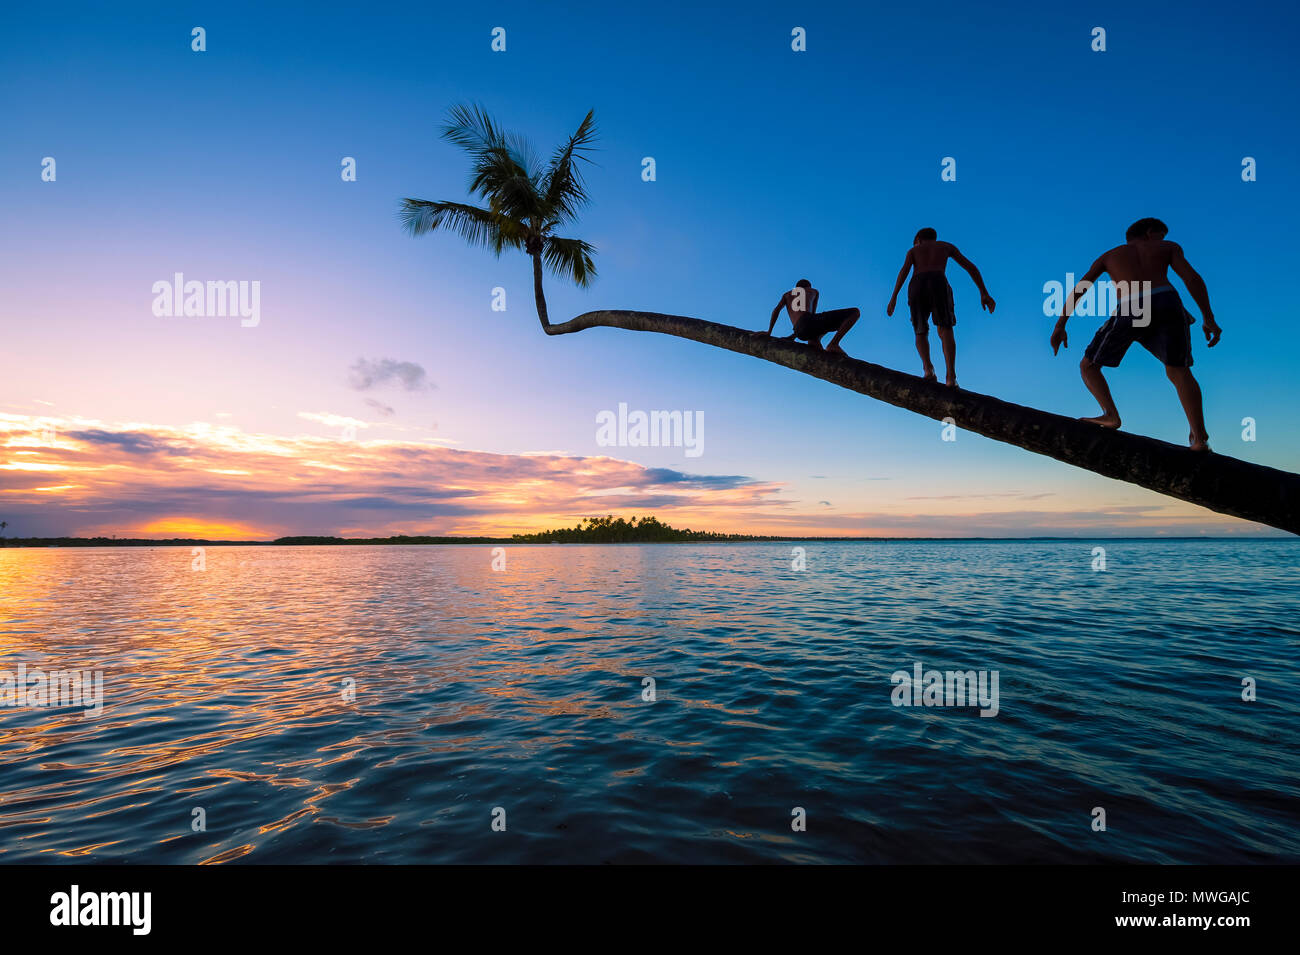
(524, 200)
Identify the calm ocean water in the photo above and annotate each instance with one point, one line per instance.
(522, 691)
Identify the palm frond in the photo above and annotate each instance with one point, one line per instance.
(562, 186)
(499, 177)
(523, 153)
(503, 171)
(471, 128)
(476, 226)
(570, 259)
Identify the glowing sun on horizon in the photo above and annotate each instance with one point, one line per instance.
(208, 530)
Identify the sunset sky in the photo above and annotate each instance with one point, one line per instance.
(381, 394)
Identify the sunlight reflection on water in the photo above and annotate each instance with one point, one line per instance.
(223, 690)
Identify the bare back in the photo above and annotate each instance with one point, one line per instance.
(931, 256)
(1144, 260)
(800, 302)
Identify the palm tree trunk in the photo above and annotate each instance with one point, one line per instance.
(1227, 485)
(537, 292)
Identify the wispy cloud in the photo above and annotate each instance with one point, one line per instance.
(333, 420)
(133, 442)
(366, 374)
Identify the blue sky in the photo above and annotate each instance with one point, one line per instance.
(771, 165)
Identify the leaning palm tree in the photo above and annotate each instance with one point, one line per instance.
(525, 200)
(1221, 483)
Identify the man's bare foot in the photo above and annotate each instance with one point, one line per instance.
(951, 381)
(929, 375)
(835, 349)
(816, 343)
(1198, 444)
(1105, 420)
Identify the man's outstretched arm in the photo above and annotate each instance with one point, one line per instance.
(776, 313)
(985, 298)
(1196, 286)
(1059, 337)
(902, 277)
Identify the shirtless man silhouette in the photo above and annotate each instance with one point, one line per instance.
(930, 294)
(809, 324)
(1156, 320)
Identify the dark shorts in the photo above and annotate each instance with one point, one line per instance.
(930, 294)
(1167, 332)
(815, 326)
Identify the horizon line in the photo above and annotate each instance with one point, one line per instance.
(323, 540)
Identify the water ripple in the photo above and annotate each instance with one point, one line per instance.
(356, 704)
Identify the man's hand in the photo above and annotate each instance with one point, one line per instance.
(1059, 337)
(1212, 332)
(987, 301)
(889, 309)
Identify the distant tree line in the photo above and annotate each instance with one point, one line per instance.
(590, 530)
(612, 530)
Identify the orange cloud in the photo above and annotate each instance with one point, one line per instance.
(219, 482)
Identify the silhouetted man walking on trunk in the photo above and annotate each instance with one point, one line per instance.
(1151, 314)
(930, 294)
